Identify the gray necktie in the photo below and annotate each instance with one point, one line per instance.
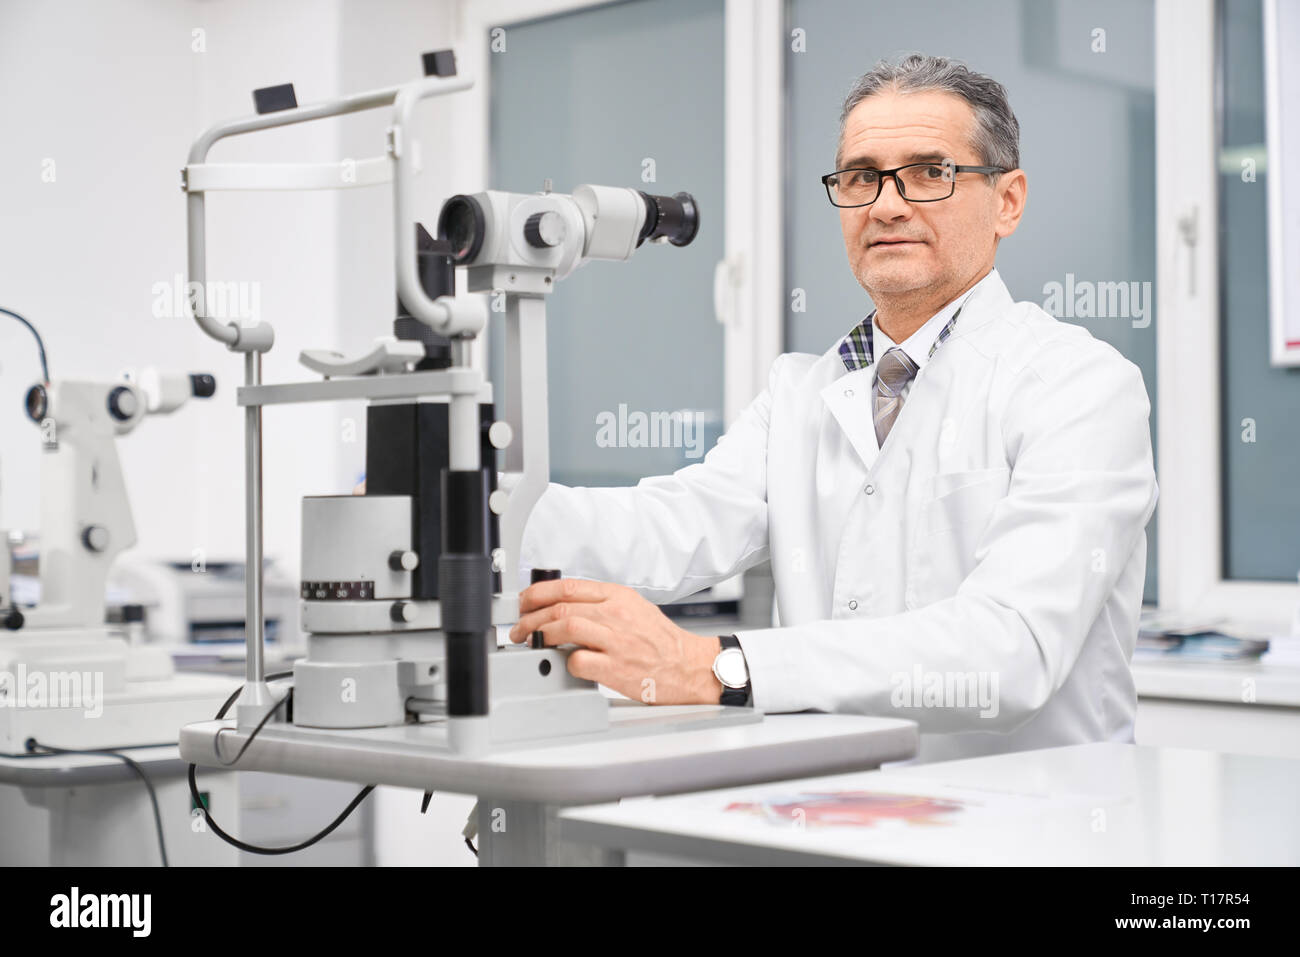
(894, 371)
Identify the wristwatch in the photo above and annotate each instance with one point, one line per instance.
(730, 668)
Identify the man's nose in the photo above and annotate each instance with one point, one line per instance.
(890, 204)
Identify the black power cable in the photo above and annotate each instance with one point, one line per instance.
(236, 842)
(32, 745)
(40, 343)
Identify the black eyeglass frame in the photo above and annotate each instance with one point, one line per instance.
(898, 184)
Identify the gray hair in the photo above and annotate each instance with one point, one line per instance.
(996, 135)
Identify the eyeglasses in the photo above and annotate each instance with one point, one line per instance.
(916, 182)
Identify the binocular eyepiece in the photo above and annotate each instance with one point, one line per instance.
(675, 218)
(559, 232)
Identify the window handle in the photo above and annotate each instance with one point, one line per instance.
(1187, 231)
(726, 280)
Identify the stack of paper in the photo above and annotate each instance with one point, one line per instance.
(1161, 634)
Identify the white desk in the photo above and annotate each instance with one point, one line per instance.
(90, 811)
(1094, 804)
(1243, 707)
(665, 750)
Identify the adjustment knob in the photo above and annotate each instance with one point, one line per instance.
(403, 561)
(403, 612)
(500, 435)
(122, 403)
(95, 537)
(544, 230)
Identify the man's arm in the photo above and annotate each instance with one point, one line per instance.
(1081, 492)
(670, 535)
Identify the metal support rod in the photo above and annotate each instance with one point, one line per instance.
(462, 352)
(256, 667)
(409, 288)
(257, 696)
(528, 456)
(464, 433)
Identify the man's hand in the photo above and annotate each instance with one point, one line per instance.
(625, 642)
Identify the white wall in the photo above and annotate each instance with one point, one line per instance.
(113, 92)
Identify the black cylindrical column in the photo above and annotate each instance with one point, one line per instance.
(538, 640)
(465, 590)
(437, 278)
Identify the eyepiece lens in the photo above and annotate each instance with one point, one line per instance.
(675, 218)
(461, 223)
(38, 403)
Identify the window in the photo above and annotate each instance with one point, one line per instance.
(1261, 402)
(623, 95)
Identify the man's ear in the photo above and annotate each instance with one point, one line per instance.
(1010, 202)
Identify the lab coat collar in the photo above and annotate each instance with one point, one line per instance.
(849, 400)
(848, 395)
(988, 299)
(918, 344)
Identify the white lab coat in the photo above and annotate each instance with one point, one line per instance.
(994, 547)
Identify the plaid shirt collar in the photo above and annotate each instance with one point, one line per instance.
(856, 347)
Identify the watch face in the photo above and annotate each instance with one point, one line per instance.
(730, 668)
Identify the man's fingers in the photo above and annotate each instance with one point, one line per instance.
(562, 589)
(591, 665)
(575, 629)
(534, 620)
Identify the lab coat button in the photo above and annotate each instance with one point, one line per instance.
(853, 606)
(848, 393)
(870, 489)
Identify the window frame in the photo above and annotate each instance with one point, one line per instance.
(1190, 465)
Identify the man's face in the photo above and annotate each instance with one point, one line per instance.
(947, 241)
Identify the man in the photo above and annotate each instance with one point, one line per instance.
(953, 497)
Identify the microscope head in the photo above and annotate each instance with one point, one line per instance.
(113, 407)
(523, 242)
(86, 517)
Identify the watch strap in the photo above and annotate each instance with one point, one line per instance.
(736, 697)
